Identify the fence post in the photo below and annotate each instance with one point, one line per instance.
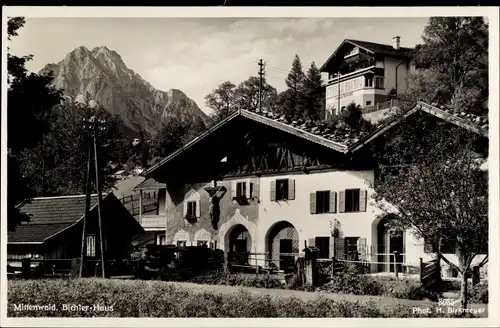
(395, 263)
(26, 265)
(421, 269)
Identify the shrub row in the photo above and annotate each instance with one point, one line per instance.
(351, 282)
(161, 299)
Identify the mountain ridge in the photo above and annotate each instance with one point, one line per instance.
(100, 74)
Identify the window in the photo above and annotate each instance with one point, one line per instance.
(322, 201)
(282, 189)
(368, 81)
(241, 189)
(352, 200)
(90, 245)
(203, 243)
(368, 103)
(379, 82)
(191, 209)
(181, 243)
(351, 247)
(161, 239)
(323, 244)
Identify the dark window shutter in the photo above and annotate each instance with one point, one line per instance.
(312, 202)
(273, 190)
(333, 201)
(339, 248)
(250, 190)
(291, 189)
(342, 202)
(197, 209)
(234, 186)
(362, 200)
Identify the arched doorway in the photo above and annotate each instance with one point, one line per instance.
(239, 241)
(282, 239)
(389, 240)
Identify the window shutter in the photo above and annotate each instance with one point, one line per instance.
(249, 189)
(185, 207)
(312, 201)
(234, 185)
(331, 249)
(273, 190)
(311, 242)
(339, 248)
(291, 189)
(342, 202)
(333, 201)
(362, 248)
(197, 208)
(362, 200)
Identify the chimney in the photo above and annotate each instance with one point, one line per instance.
(395, 42)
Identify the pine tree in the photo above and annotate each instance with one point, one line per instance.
(313, 94)
(294, 97)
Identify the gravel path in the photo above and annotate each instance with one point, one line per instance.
(382, 300)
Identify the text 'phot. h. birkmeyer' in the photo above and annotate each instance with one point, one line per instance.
(249, 167)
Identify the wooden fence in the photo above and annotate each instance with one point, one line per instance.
(57, 268)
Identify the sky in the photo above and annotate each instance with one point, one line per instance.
(196, 54)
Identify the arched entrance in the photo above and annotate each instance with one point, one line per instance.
(282, 239)
(239, 241)
(389, 240)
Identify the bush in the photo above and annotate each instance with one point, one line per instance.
(136, 298)
(351, 281)
(238, 279)
(478, 294)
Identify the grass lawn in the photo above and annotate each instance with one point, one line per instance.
(135, 298)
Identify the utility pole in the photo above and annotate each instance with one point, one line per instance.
(261, 80)
(92, 125)
(87, 198)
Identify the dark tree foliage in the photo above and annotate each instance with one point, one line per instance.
(431, 177)
(29, 100)
(453, 64)
(57, 164)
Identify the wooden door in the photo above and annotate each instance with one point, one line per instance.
(286, 246)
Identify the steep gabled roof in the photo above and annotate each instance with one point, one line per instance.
(465, 122)
(50, 216)
(340, 139)
(381, 49)
(371, 47)
(337, 140)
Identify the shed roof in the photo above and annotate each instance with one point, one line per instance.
(49, 216)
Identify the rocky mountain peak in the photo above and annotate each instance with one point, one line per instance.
(102, 75)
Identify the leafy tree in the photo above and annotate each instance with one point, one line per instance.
(57, 165)
(353, 117)
(453, 63)
(29, 100)
(313, 94)
(431, 178)
(222, 100)
(247, 95)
